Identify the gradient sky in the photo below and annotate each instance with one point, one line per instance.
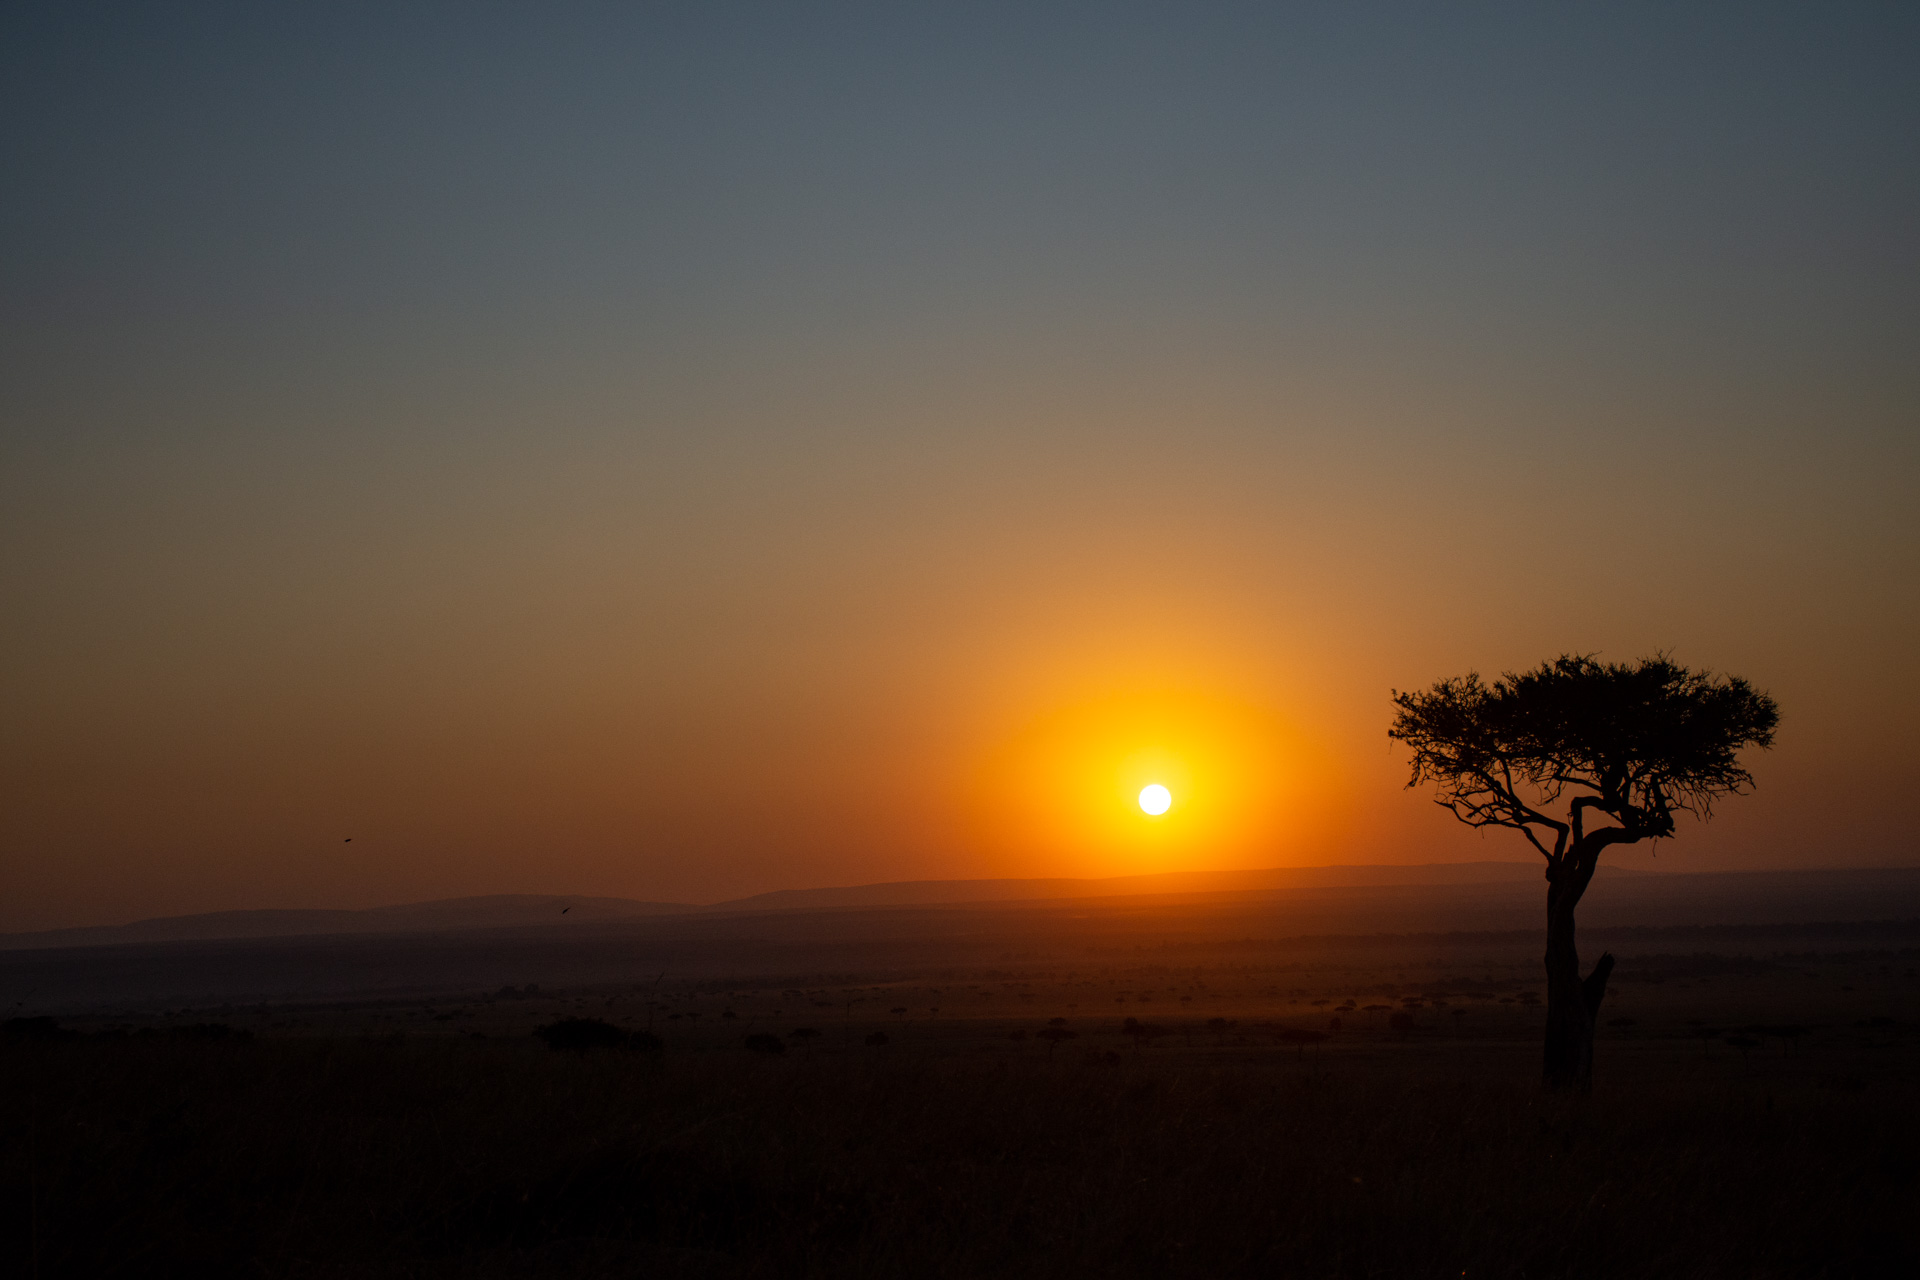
(684, 451)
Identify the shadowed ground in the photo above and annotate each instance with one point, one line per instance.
(452, 1157)
(1229, 1101)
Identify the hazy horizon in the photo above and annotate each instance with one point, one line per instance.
(684, 453)
(1217, 876)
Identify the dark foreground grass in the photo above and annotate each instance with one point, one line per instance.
(487, 1158)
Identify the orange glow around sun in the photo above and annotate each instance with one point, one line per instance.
(1068, 793)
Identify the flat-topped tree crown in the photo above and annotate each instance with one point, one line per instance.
(1637, 742)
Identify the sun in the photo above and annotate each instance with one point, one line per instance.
(1132, 782)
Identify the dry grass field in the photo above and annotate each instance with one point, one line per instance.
(1756, 1115)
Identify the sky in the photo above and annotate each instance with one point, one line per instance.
(682, 451)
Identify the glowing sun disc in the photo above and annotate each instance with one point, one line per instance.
(1155, 799)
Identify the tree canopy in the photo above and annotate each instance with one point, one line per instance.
(1635, 741)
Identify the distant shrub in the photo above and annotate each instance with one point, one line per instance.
(761, 1042)
(582, 1034)
(209, 1032)
(34, 1031)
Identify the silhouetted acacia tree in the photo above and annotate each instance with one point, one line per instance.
(1546, 751)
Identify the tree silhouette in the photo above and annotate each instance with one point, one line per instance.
(1577, 738)
(1054, 1035)
(1143, 1033)
(1300, 1039)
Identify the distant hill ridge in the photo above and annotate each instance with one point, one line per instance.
(494, 911)
(510, 910)
(930, 892)
(514, 911)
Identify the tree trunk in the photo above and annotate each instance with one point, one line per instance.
(1573, 1002)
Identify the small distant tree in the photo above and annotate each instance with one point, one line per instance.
(1300, 1039)
(805, 1036)
(1547, 751)
(1054, 1033)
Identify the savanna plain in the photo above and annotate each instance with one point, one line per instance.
(1015, 1092)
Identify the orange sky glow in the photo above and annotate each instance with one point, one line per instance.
(684, 459)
